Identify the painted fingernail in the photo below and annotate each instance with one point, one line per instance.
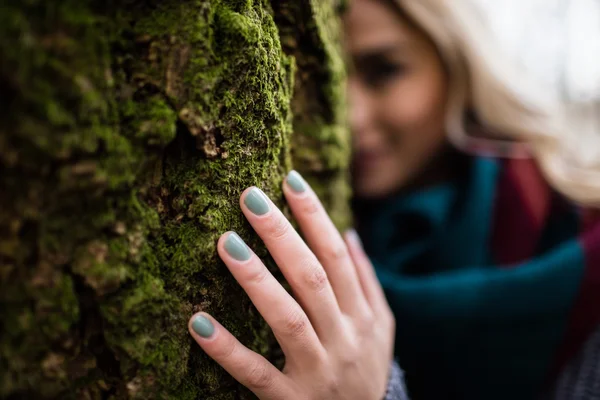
(203, 327)
(296, 182)
(256, 201)
(236, 248)
(353, 235)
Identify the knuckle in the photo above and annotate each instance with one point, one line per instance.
(350, 359)
(315, 278)
(367, 323)
(278, 227)
(257, 276)
(349, 363)
(351, 352)
(226, 350)
(338, 252)
(295, 324)
(310, 206)
(258, 376)
(332, 385)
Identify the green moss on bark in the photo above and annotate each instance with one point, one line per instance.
(133, 127)
(311, 32)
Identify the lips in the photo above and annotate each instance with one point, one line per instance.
(368, 159)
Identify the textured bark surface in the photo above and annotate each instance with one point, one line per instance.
(131, 128)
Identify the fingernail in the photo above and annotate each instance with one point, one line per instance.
(236, 248)
(296, 182)
(352, 235)
(203, 327)
(256, 201)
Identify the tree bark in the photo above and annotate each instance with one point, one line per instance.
(131, 129)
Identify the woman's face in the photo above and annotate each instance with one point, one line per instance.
(397, 89)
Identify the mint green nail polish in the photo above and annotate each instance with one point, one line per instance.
(256, 201)
(203, 327)
(236, 248)
(296, 182)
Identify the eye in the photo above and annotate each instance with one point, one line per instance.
(380, 73)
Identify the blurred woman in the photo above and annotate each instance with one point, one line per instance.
(458, 170)
(474, 210)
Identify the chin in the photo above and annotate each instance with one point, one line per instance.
(374, 188)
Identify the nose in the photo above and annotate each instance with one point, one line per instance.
(363, 114)
(360, 107)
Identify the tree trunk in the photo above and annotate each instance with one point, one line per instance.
(131, 129)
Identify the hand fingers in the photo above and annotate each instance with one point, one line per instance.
(366, 274)
(373, 291)
(298, 264)
(327, 244)
(246, 366)
(290, 324)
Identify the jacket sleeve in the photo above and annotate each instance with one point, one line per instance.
(580, 379)
(396, 389)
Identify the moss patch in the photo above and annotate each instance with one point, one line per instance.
(129, 137)
(311, 32)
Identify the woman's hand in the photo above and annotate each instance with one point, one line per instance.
(337, 334)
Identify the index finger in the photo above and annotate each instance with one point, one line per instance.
(247, 367)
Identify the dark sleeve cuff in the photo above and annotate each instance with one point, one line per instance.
(396, 389)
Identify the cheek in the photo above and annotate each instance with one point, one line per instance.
(413, 117)
(415, 106)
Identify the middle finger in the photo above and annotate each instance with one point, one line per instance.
(327, 244)
(297, 262)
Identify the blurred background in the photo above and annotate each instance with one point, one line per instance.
(558, 43)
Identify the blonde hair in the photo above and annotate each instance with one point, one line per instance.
(504, 101)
